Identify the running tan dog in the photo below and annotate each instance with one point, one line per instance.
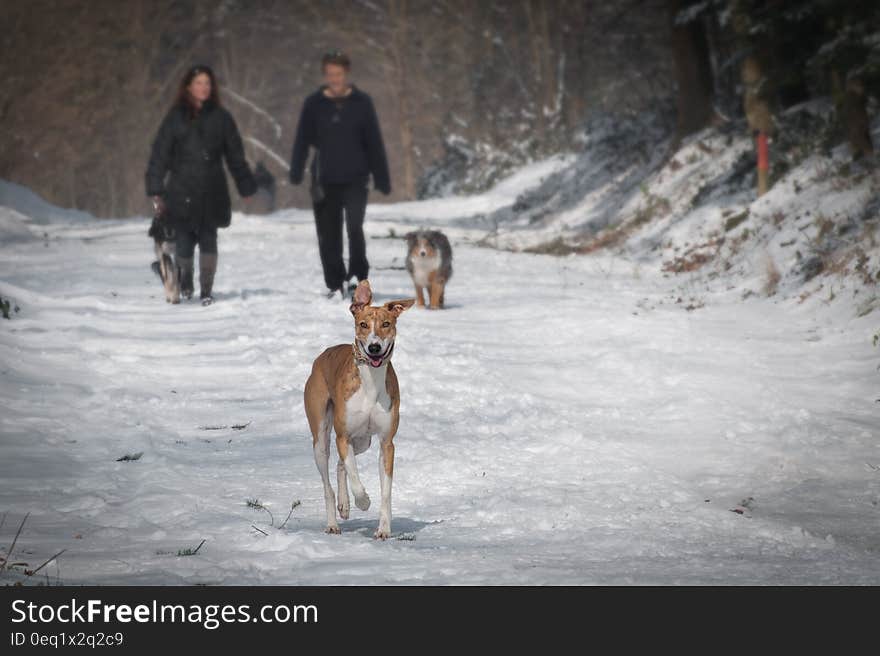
(353, 389)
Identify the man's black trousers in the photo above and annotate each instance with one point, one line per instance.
(348, 202)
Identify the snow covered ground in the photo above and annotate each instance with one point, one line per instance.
(564, 421)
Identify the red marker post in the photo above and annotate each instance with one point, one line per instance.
(763, 162)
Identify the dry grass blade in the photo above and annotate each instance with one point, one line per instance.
(12, 548)
(293, 506)
(46, 563)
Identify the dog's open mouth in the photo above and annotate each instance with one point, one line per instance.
(378, 359)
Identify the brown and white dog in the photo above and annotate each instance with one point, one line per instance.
(429, 262)
(353, 390)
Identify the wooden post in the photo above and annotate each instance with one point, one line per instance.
(763, 163)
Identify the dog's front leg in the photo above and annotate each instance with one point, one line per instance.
(386, 473)
(172, 286)
(322, 460)
(436, 293)
(346, 455)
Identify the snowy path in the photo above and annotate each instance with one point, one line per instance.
(563, 422)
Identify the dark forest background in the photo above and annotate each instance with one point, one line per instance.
(465, 90)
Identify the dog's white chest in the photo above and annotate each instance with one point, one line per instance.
(423, 267)
(368, 410)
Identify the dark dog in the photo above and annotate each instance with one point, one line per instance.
(429, 262)
(163, 235)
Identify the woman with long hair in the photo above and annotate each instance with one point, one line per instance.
(185, 175)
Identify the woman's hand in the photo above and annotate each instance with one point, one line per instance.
(158, 206)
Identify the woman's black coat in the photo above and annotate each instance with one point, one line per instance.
(192, 149)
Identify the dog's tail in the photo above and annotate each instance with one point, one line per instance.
(157, 269)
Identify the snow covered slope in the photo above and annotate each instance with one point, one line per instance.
(470, 214)
(692, 211)
(564, 421)
(33, 206)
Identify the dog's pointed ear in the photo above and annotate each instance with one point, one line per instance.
(396, 307)
(363, 295)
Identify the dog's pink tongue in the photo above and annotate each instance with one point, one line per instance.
(375, 362)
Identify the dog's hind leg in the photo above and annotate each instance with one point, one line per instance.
(319, 411)
(322, 460)
(346, 455)
(344, 503)
(420, 299)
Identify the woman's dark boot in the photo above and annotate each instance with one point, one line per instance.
(185, 271)
(207, 269)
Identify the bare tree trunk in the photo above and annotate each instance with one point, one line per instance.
(755, 96)
(692, 70)
(539, 75)
(854, 116)
(397, 12)
(547, 64)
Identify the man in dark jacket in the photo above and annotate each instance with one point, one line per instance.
(340, 123)
(193, 140)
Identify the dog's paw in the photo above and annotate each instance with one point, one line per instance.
(332, 530)
(382, 534)
(344, 511)
(363, 502)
